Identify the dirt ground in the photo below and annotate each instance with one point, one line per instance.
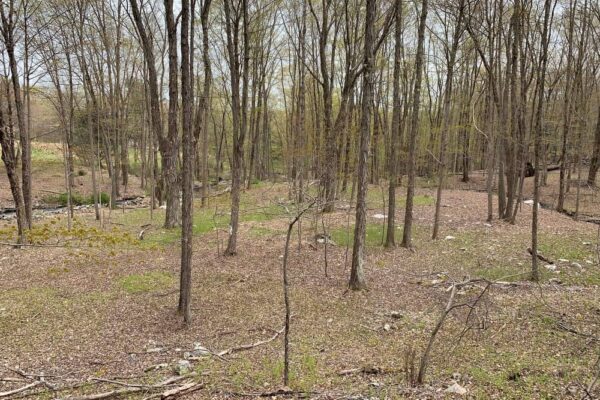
(97, 313)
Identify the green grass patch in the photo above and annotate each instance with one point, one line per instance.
(206, 220)
(374, 235)
(260, 231)
(375, 199)
(570, 247)
(40, 155)
(147, 282)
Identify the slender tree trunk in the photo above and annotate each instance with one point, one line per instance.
(10, 162)
(238, 113)
(414, 129)
(595, 161)
(189, 152)
(447, 118)
(535, 276)
(357, 276)
(390, 239)
(560, 203)
(8, 33)
(170, 146)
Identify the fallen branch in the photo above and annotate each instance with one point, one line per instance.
(250, 346)
(361, 370)
(21, 389)
(182, 390)
(132, 388)
(133, 385)
(143, 231)
(540, 256)
(108, 395)
(280, 392)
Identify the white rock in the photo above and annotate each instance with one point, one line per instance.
(379, 216)
(449, 237)
(183, 367)
(550, 267)
(456, 389)
(528, 202)
(200, 350)
(387, 327)
(576, 265)
(155, 350)
(563, 260)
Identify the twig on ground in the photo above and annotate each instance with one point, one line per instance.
(280, 392)
(249, 346)
(21, 389)
(137, 388)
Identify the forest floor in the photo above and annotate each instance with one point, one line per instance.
(97, 313)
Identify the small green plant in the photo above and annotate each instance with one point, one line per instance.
(146, 282)
(77, 199)
(374, 235)
(307, 378)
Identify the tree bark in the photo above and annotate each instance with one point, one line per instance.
(357, 276)
(8, 33)
(414, 129)
(396, 131)
(535, 276)
(189, 152)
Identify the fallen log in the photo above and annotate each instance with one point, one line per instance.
(540, 256)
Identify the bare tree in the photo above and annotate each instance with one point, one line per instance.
(543, 64)
(357, 278)
(9, 157)
(450, 54)
(414, 128)
(390, 240)
(239, 71)
(8, 18)
(189, 152)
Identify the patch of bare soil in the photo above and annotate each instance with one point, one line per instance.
(86, 317)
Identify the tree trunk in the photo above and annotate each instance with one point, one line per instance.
(390, 239)
(10, 162)
(357, 277)
(535, 276)
(595, 161)
(458, 29)
(414, 129)
(8, 32)
(170, 146)
(189, 152)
